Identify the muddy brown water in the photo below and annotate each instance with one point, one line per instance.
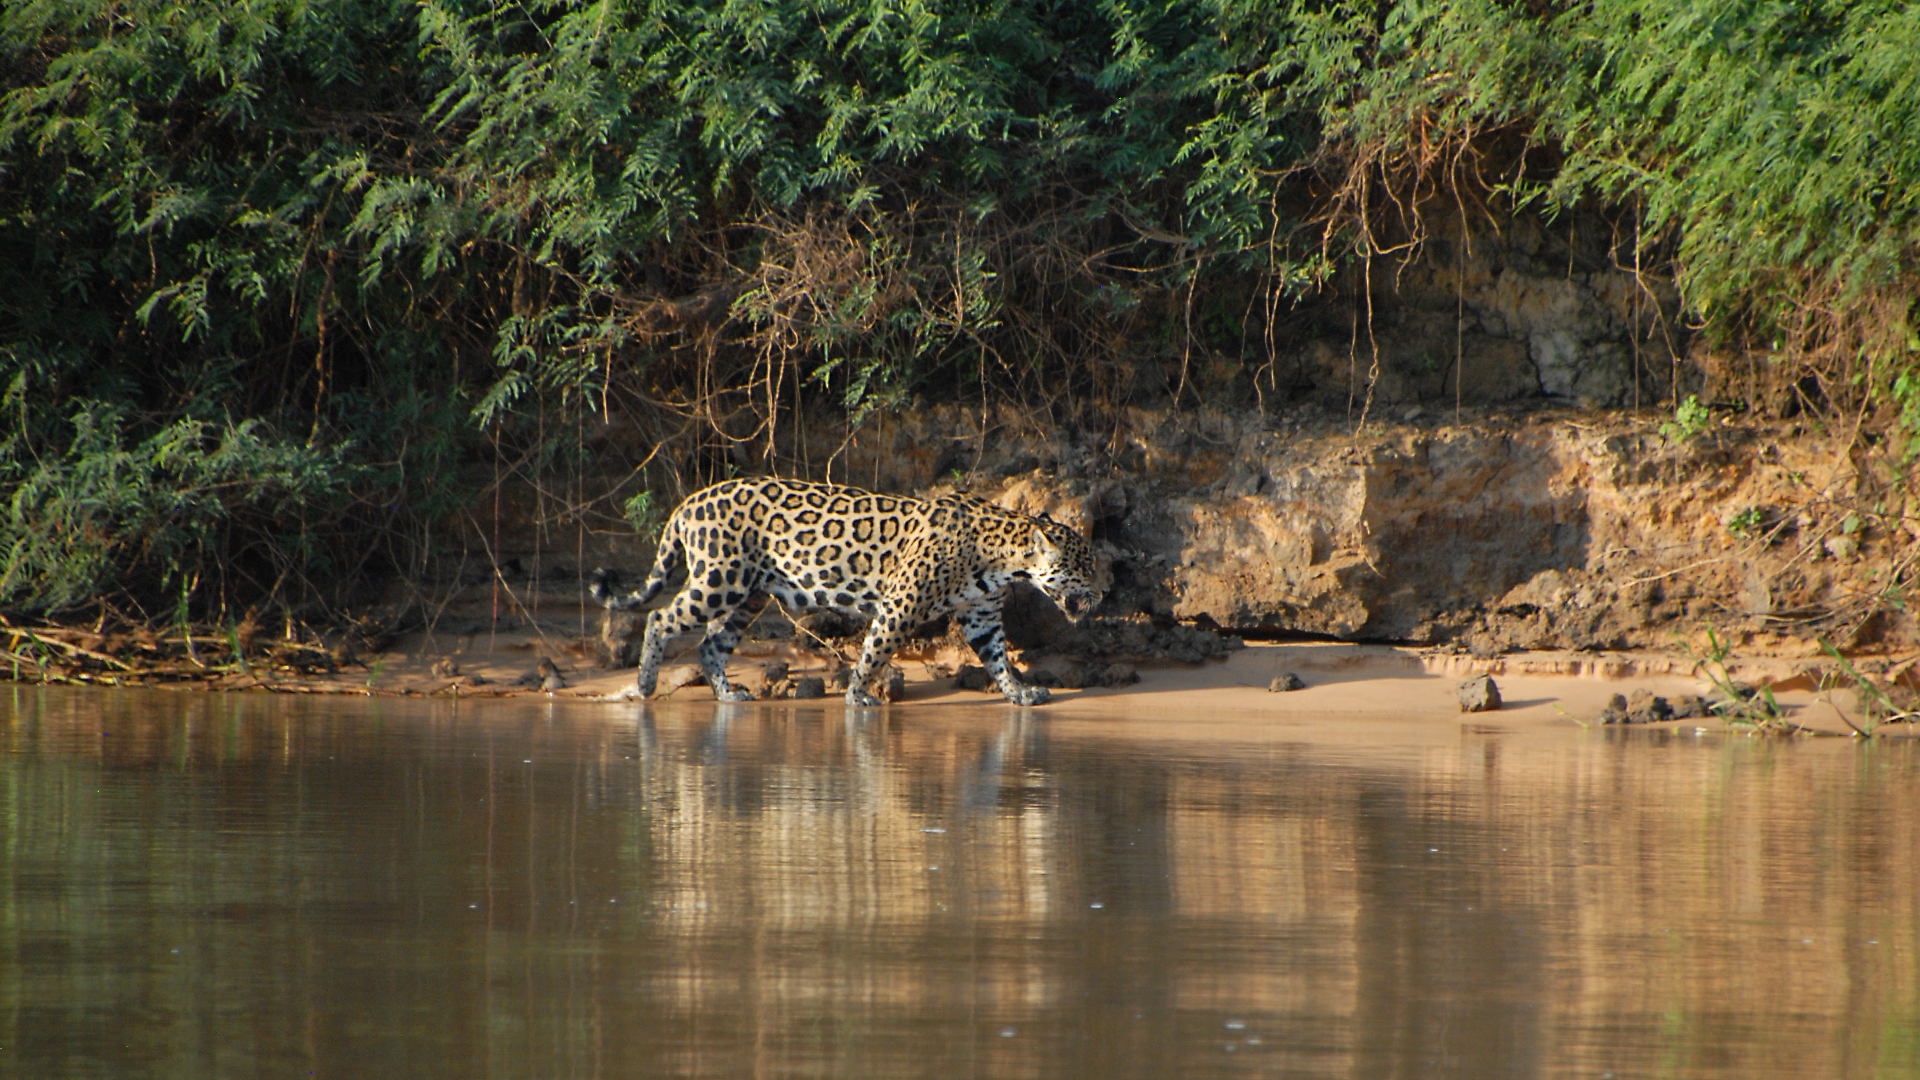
(197, 885)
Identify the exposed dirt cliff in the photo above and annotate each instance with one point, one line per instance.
(1552, 528)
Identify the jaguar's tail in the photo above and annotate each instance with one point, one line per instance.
(605, 584)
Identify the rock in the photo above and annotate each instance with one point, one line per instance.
(896, 684)
(972, 677)
(622, 633)
(531, 678)
(1479, 694)
(809, 686)
(446, 668)
(1103, 638)
(1616, 711)
(841, 676)
(1042, 677)
(1186, 652)
(1031, 620)
(1729, 699)
(1644, 708)
(553, 682)
(773, 681)
(1097, 674)
(1742, 702)
(1690, 706)
(1283, 683)
(477, 680)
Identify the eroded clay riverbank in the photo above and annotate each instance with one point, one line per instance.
(1376, 687)
(1483, 530)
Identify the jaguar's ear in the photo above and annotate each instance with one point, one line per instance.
(1044, 516)
(1043, 543)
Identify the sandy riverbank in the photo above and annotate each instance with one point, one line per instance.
(1368, 684)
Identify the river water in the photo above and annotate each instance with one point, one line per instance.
(197, 885)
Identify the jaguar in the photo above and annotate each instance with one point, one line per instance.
(897, 561)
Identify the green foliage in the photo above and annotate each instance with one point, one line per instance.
(167, 505)
(1774, 140)
(1761, 154)
(1906, 396)
(1876, 704)
(406, 230)
(1690, 418)
(1736, 703)
(645, 515)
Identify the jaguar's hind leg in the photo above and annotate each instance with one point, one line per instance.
(888, 632)
(722, 610)
(723, 636)
(663, 626)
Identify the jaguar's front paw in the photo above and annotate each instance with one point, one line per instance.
(1030, 695)
(860, 699)
(645, 684)
(734, 693)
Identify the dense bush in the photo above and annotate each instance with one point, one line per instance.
(1765, 150)
(327, 251)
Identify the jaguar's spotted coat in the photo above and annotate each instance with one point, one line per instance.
(898, 561)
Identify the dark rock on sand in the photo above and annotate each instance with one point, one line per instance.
(1644, 708)
(1479, 694)
(1616, 711)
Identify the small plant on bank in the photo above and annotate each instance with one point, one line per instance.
(1736, 703)
(1690, 419)
(1876, 705)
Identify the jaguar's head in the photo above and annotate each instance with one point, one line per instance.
(1063, 568)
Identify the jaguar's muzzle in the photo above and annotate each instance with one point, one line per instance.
(1077, 604)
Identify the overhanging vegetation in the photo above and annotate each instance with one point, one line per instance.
(273, 272)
